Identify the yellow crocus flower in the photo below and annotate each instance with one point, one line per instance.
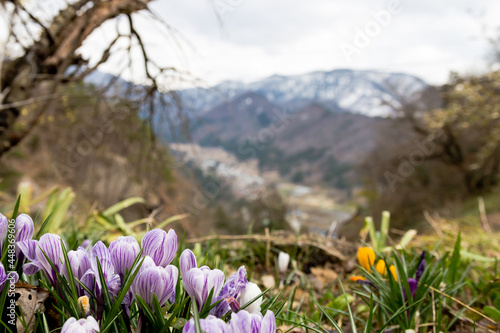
(366, 258)
(357, 278)
(394, 273)
(381, 267)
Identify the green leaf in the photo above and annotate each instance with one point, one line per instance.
(351, 316)
(122, 205)
(327, 315)
(16, 207)
(455, 261)
(492, 313)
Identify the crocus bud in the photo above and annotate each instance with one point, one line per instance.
(211, 324)
(283, 260)
(420, 267)
(88, 325)
(160, 246)
(24, 228)
(198, 283)
(249, 293)
(92, 279)
(366, 258)
(79, 261)
(381, 268)
(124, 251)
(84, 304)
(394, 272)
(187, 261)
(4, 223)
(412, 283)
(3, 276)
(157, 281)
(253, 322)
(86, 243)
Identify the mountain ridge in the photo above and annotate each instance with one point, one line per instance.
(367, 92)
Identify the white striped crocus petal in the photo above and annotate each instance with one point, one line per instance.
(198, 283)
(187, 261)
(88, 325)
(160, 246)
(4, 223)
(79, 261)
(245, 322)
(209, 325)
(24, 228)
(157, 281)
(40, 252)
(248, 294)
(124, 251)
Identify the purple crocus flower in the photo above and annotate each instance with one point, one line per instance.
(209, 325)
(198, 283)
(35, 251)
(3, 230)
(420, 267)
(231, 290)
(86, 243)
(245, 322)
(4, 277)
(24, 228)
(88, 325)
(91, 277)
(187, 261)
(79, 261)
(146, 263)
(413, 284)
(123, 252)
(157, 281)
(160, 246)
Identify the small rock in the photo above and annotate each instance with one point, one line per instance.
(268, 281)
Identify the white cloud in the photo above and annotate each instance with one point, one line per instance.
(261, 37)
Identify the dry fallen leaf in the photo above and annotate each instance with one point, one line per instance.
(30, 300)
(326, 276)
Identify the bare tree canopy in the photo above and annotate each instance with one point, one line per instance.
(42, 51)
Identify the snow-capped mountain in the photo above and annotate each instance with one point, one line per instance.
(354, 91)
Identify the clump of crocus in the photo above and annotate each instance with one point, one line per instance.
(88, 325)
(241, 322)
(24, 229)
(366, 259)
(229, 293)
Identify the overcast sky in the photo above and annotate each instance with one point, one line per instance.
(259, 38)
